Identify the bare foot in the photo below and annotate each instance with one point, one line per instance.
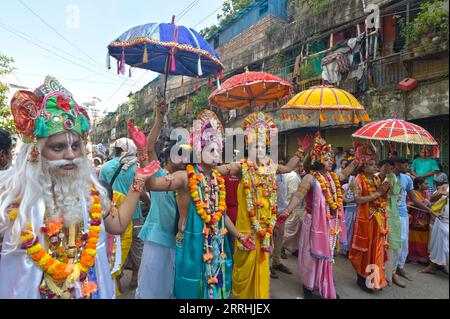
(430, 269)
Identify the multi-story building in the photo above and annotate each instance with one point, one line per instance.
(290, 40)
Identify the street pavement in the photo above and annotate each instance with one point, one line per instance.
(423, 286)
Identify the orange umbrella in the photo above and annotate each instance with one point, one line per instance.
(250, 89)
(325, 100)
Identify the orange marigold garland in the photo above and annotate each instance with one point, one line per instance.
(256, 187)
(209, 201)
(56, 261)
(378, 206)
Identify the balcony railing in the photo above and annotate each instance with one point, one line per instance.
(388, 71)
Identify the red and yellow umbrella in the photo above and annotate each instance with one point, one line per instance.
(395, 130)
(250, 89)
(325, 100)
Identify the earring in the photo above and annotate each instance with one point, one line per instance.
(34, 154)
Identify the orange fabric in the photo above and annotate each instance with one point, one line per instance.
(367, 243)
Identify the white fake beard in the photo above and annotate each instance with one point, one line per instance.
(68, 186)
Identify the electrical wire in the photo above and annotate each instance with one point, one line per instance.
(57, 32)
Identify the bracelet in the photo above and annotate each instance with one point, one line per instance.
(138, 185)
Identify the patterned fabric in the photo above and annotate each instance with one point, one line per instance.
(51, 109)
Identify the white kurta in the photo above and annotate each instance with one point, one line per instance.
(20, 277)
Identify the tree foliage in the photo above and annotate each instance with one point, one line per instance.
(6, 119)
(200, 101)
(230, 9)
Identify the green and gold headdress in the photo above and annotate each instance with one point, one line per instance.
(49, 110)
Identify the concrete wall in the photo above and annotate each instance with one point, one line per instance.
(426, 100)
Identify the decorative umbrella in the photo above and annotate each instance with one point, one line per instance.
(325, 100)
(395, 130)
(165, 48)
(250, 89)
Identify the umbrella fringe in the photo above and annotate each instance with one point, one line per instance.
(145, 56)
(199, 67)
(122, 63)
(108, 61)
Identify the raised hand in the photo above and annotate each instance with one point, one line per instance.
(161, 107)
(148, 170)
(247, 242)
(137, 135)
(306, 142)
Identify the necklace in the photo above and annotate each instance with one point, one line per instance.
(377, 207)
(65, 262)
(208, 196)
(331, 189)
(260, 182)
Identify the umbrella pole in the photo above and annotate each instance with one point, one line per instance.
(167, 73)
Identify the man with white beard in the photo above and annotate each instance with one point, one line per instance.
(54, 214)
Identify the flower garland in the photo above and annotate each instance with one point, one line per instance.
(258, 185)
(331, 188)
(377, 206)
(57, 266)
(209, 201)
(337, 193)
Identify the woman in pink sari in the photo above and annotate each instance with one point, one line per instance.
(323, 223)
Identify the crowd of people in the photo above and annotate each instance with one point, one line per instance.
(71, 222)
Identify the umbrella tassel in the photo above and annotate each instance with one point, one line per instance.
(322, 117)
(341, 118)
(209, 83)
(334, 117)
(218, 83)
(196, 86)
(199, 67)
(122, 63)
(129, 72)
(221, 75)
(303, 117)
(145, 56)
(118, 67)
(407, 150)
(349, 118)
(436, 152)
(108, 61)
(367, 117)
(172, 60)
